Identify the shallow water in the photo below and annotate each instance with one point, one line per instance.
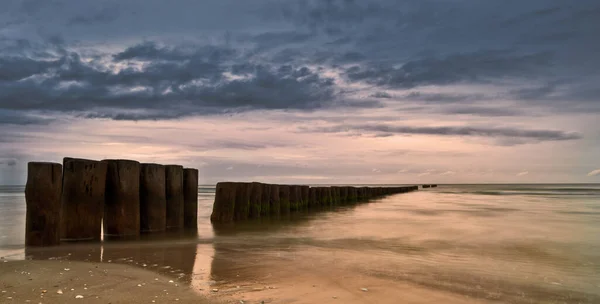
(512, 243)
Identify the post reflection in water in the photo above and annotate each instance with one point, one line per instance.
(253, 250)
(177, 255)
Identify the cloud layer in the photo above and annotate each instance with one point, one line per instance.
(456, 77)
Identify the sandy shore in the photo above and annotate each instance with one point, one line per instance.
(80, 282)
(84, 282)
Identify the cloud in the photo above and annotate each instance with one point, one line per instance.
(172, 84)
(523, 173)
(103, 15)
(448, 173)
(9, 162)
(594, 173)
(476, 67)
(500, 132)
(424, 174)
(381, 95)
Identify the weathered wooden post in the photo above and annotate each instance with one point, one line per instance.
(344, 195)
(153, 198)
(265, 207)
(274, 201)
(174, 191)
(255, 199)
(312, 198)
(42, 198)
(304, 191)
(122, 198)
(82, 199)
(242, 201)
(352, 192)
(190, 198)
(327, 196)
(224, 205)
(284, 199)
(294, 197)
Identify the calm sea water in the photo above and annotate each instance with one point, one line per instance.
(512, 243)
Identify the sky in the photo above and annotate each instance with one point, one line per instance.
(293, 91)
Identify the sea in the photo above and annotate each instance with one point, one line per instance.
(506, 243)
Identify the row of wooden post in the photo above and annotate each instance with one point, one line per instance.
(428, 186)
(71, 202)
(237, 201)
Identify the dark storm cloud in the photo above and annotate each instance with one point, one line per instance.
(173, 83)
(478, 67)
(20, 119)
(276, 55)
(381, 129)
(103, 15)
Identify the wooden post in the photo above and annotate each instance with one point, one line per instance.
(82, 199)
(284, 198)
(255, 199)
(274, 200)
(42, 198)
(265, 207)
(242, 201)
(190, 198)
(312, 197)
(122, 198)
(153, 198)
(224, 205)
(304, 192)
(174, 191)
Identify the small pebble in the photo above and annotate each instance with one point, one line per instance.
(170, 281)
(78, 297)
(139, 285)
(364, 289)
(215, 290)
(59, 291)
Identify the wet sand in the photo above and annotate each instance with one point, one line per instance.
(41, 281)
(63, 281)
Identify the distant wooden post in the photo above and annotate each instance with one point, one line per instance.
(265, 207)
(284, 198)
(255, 199)
(190, 198)
(122, 198)
(344, 195)
(153, 198)
(82, 199)
(224, 205)
(242, 201)
(305, 196)
(274, 200)
(42, 198)
(312, 197)
(174, 192)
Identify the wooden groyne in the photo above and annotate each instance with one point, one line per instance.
(428, 186)
(73, 201)
(237, 201)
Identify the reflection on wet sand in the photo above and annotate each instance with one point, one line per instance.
(179, 255)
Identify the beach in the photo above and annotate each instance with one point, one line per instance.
(81, 282)
(453, 244)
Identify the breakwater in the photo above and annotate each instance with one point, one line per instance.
(74, 200)
(238, 201)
